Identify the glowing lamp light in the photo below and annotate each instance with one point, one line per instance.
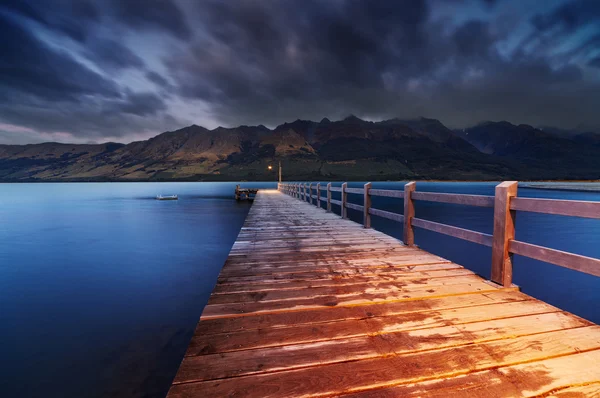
(270, 167)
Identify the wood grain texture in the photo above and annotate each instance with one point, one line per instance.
(409, 213)
(455, 198)
(573, 208)
(460, 233)
(504, 231)
(576, 262)
(310, 304)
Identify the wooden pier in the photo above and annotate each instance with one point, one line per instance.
(310, 304)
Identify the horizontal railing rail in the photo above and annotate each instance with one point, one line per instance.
(455, 198)
(505, 204)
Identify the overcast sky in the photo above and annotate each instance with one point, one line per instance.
(124, 70)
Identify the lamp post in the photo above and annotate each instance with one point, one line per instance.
(280, 171)
(271, 168)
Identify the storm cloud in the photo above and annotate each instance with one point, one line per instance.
(129, 69)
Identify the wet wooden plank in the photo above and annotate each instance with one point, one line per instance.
(331, 379)
(304, 333)
(256, 307)
(246, 362)
(545, 378)
(329, 314)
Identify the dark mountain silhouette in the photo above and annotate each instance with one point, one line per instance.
(349, 149)
(540, 154)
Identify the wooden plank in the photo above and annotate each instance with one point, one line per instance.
(348, 279)
(582, 391)
(536, 379)
(572, 261)
(367, 325)
(246, 362)
(409, 214)
(329, 197)
(369, 288)
(332, 379)
(358, 191)
(390, 193)
(330, 314)
(325, 273)
(454, 198)
(318, 195)
(367, 205)
(354, 206)
(504, 231)
(344, 201)
(456, 232)
(573, 208)
(243, 309)
(336, 189)
(386, 214)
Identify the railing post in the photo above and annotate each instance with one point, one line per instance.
(504, 231)
(329, 197)
(409, 213)
(367, 206)
(310, 190)
(306, 198)
(344, 211)
(319, 195)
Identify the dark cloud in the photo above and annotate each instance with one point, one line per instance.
(266, 62)
(595, 62)
(153, 14)
(31, 66)
(473, 38)
(570, 16)
(141, 104)
(92, 68)
(48, 89)
(110, 53)
(69, 17)
(157, 79)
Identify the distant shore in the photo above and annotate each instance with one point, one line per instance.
(562, 186)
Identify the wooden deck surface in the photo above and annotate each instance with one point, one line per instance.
(309, 304)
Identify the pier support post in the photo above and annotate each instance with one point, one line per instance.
(344, 211)
(504, 231)
(409, 213)
(329, 197)
(319, 195)
(367, 206)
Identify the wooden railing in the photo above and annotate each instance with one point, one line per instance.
(505, 204)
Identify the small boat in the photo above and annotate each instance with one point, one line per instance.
(167, 197)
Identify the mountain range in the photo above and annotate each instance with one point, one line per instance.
(349, 149)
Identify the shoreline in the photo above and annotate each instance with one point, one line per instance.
(571, 186)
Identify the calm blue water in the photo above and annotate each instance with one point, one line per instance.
(101, 285)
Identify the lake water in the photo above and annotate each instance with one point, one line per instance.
(101, 285)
